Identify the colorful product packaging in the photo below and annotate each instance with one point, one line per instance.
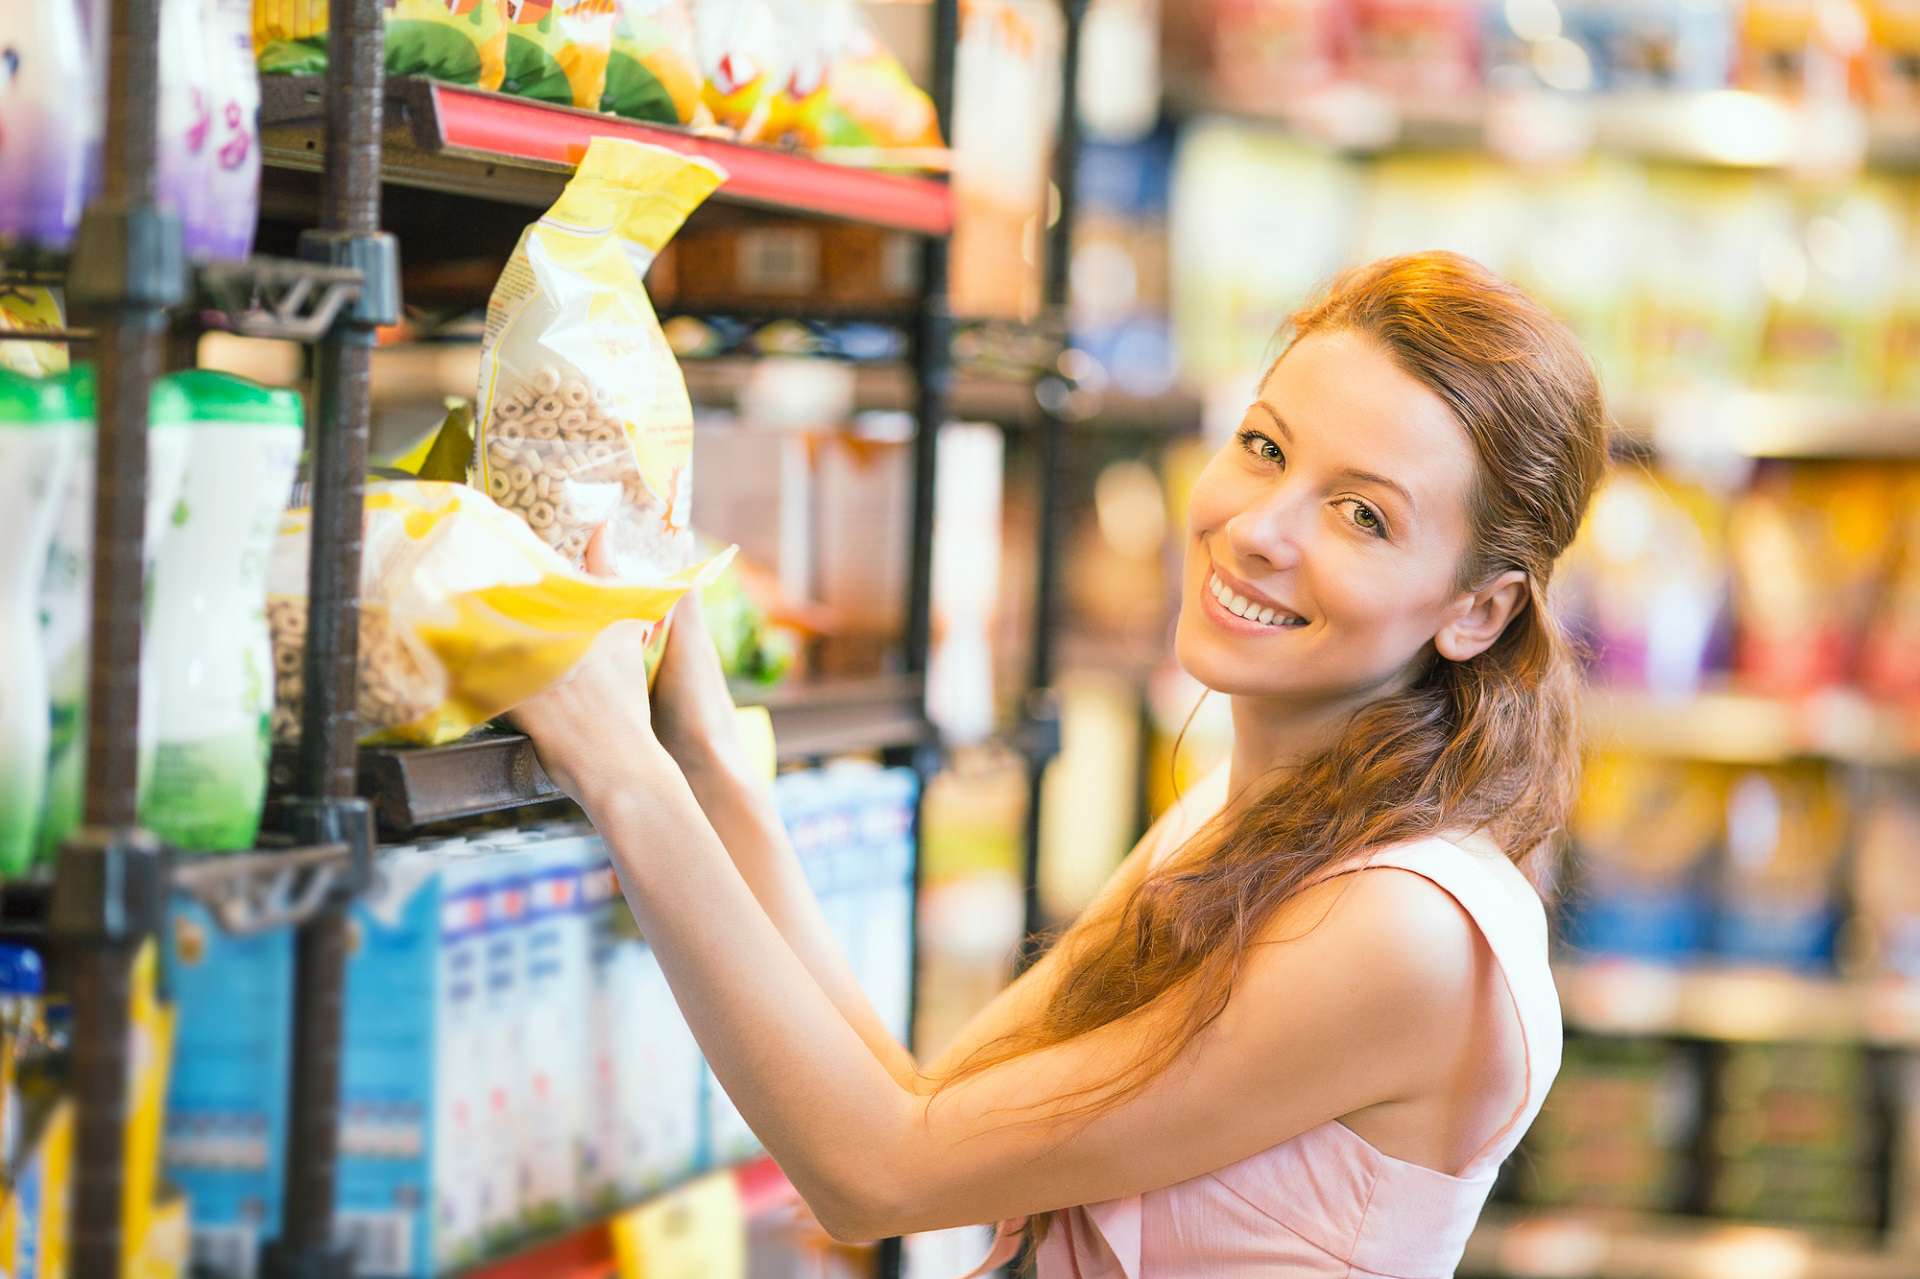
(226, 1111)
(414, 1093)
(66, 594)
(48, 121)
(651, 71)
(1646, 834)
(557, 1031)
(31, 309)
(585, 429)
(1785, 835)
(208, 625)
(557, 50)
(459, 41)
(39, 439)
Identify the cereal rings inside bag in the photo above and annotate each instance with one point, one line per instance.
(465, 612)
(584, 427)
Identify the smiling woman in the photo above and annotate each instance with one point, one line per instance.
(1312, 1013)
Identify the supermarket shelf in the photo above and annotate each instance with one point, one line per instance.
(1736, 1005)
(471, 142)
(1744, 728)
(1769, 424)
(1567, 1245)
(261, 297)
(972, 396)
(413, 787)
(1723, 128)
(246, 893)
(586, 1251)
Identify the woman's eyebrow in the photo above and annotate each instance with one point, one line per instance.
(1365, 477)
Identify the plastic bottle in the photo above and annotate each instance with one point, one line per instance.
(66, 595)
(38, 452)
(47, 121)
(232, 209)
(207, 642)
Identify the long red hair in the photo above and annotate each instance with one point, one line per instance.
(1487, 744)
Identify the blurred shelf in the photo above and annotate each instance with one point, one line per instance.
(470, 142)
(1720, 128)
(1005, 400)
(1556, 1244)
(1735, 1005)
(260, 297)
(585, 1251)
(415, 786)
(1745, 728)
(1769, 424)
(245, 892)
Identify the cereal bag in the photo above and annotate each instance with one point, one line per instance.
(459, 41)
(557, 50)
(32, 309)
(464, 612)
(651, 73)
(585, 429)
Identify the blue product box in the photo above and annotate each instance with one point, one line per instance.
(414, 1142)
(226, 1126)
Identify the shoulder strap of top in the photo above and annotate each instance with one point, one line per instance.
(1508, 913)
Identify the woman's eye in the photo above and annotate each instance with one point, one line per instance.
(1369, 519)
(1261, 447)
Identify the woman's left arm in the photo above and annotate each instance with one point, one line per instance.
(1340, 1008)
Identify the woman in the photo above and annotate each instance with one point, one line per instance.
(1311, 1013)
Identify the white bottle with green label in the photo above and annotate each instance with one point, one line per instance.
(37, 448)
(66, 596)
(207, 639)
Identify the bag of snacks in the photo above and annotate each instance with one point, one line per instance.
(557, 50)
(743, 59)
(31, 309)
(846, 89)
(464, 612)
(585, 429)
(651, 73)
(459, 41)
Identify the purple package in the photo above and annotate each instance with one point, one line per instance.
(47, 102)
(186, 122)
(233, 171)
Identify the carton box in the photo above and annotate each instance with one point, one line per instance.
(558, 1045)
(226, 1115)
(412, 1138)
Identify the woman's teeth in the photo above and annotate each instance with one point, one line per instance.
(1240, 606)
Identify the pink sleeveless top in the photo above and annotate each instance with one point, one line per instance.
(1326, 1202)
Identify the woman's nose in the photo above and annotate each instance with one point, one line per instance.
(1270, 533)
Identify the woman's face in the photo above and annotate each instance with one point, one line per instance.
(1326, 536)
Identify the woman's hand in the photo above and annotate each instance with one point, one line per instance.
(594, 729)
(693, 712)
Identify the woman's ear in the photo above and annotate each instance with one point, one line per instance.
(1479, 618)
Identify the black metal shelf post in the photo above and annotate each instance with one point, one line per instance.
(326, 806)
(1040, 735)
(128, 269)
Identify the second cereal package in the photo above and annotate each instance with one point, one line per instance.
(585, 429)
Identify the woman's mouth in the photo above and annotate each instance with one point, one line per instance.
(1246, 610)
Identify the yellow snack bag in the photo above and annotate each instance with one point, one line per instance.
(31, 309)
(557, 50)
(465, 611)
(745, 59)
(584, 426)
(651, 73)
(459, 41)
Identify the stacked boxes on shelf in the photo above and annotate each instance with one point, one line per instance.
(1617, 1130)
(1795, 1135)
(513, 1058)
